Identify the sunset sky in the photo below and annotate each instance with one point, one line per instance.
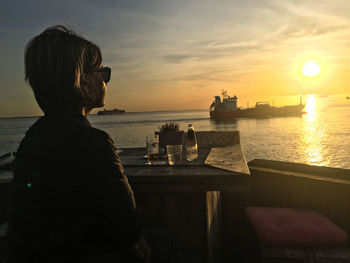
(172, 55)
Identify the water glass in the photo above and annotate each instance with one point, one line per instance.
(152, 146)
(174, 153)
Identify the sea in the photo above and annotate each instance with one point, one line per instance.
(319, 137)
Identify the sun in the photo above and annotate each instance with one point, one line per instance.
(311, 69)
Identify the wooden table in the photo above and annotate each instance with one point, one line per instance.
(186, 198)
(187, 176)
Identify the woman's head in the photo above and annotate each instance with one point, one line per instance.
(62, 69)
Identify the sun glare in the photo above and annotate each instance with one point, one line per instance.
(314, 134)
(310, 105)
(311, 69)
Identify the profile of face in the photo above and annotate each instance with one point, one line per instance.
(94, 89)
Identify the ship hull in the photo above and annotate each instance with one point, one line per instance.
(106, 112)
(294, 110)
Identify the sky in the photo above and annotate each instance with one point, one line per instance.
(179, 54)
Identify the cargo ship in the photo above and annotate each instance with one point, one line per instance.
(110, 112)
(227, 109)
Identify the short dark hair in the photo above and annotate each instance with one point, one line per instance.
(56, 62)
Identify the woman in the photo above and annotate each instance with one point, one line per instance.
(71, 200)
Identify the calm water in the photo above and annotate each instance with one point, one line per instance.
(319, 137)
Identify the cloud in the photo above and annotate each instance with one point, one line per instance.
(177, 58)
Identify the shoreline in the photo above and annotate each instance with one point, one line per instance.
(127, 112)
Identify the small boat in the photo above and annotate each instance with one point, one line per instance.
(227, 109)
(347, 97)
(110, 112)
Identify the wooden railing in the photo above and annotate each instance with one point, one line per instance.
(281, 184)
(326, 190)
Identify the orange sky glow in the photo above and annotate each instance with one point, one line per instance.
(178, 56)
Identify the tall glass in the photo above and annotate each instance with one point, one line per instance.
(174, 153)
(152, 146)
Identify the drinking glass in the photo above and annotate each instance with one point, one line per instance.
(174, 153)
(152, 146)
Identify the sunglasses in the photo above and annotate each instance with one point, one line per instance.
(106, 73)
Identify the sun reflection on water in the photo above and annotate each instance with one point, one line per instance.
(313, 134)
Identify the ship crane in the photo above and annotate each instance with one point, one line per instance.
(224, 94)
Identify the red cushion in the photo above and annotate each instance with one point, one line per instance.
(289, 227)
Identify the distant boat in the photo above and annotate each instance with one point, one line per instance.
(110, 112)
(347, 97)
(227, 109)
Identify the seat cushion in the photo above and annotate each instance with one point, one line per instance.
(294, 228)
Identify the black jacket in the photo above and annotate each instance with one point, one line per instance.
(70, 193)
